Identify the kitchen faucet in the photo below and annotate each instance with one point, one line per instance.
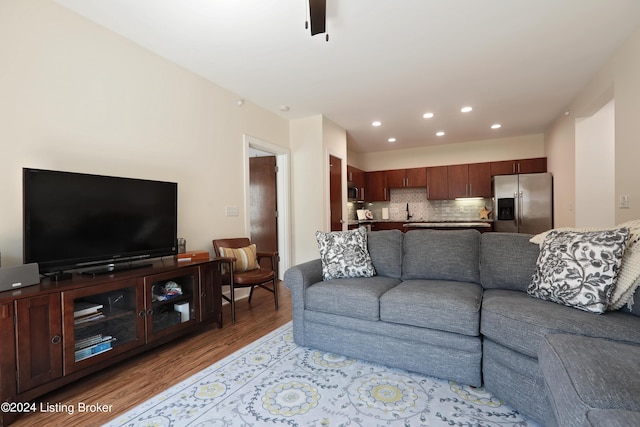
(408, 215)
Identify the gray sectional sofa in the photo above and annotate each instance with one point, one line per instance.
(453, 304)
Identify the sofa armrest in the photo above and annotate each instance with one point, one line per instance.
(298, 278)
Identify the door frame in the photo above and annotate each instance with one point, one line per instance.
(283, 201)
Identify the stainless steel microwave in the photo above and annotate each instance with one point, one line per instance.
(353, 192)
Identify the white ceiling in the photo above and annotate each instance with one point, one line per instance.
(517, 62)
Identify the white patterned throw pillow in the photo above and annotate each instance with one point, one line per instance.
(344, 254)
(579, 269)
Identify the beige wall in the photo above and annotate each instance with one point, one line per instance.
(77, 97)
(619, 79)
(521, 147)
(313, 139)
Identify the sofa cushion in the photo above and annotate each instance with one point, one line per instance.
(344, 254)
(442, 255)
(385, 249)
(357, 297)
(583, 373)
(579, 269)
(507, 260)
(611, 418)
(435, 304)
(517, 321)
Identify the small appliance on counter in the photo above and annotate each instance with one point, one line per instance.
(364, 214)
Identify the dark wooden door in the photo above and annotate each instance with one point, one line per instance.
(335, 192)
(263, 209)
(39, 340)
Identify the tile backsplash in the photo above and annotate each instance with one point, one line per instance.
(422, 209)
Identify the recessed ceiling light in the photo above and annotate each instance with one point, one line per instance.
(427, 115)
(496, 126)
(376, 123)
(441, 133)
(466, 109)
(391, 140)
(284, 108)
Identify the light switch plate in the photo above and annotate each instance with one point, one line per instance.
(231, 211)
(624, 201)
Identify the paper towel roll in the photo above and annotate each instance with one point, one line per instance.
(385, 213)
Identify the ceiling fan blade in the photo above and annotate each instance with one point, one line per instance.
(318, 15)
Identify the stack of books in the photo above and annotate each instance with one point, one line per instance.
(84, 311)
(92, 345)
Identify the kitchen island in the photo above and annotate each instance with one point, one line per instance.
(374, 225)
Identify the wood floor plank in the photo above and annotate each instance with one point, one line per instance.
(130, 383)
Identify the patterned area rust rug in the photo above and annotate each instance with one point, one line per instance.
(273, 382)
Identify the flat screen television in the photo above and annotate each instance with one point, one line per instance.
(76, 220)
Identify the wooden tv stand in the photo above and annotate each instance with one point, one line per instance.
(54, 333)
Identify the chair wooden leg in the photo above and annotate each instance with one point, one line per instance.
(233, 304)
(275, 292)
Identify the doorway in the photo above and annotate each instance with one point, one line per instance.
(279, 220)
(263, 207)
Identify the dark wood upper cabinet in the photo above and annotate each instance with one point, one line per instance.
(437, 187)
(377, 186)
(510, 167)
(480, 179)
(416, 177)
(357, 176)
(458, 181)
(407, 178)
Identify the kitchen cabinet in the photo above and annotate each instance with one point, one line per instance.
(377, 190)
(356, 176)
(469, 180)
(480, 179)
(407, 178)
(386, 225)
(437, 184)
(510, 167)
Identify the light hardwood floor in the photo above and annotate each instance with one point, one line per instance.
(132, 382)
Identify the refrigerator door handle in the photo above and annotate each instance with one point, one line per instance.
(520, 201)
(516, 207)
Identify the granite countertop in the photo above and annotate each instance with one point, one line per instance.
(461, 224)
(430, 224)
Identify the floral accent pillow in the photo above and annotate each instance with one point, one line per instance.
(579, 269)
(344, 254)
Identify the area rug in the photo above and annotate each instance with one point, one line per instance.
(274, 382)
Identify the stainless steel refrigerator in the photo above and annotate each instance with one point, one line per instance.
(523, 203)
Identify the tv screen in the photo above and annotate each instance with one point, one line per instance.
(72, 220)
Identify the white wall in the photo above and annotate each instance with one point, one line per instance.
(77, 97)
(618, 79)
(595, 169)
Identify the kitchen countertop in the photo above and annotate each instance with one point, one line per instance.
(430, 224)
(475, 224)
